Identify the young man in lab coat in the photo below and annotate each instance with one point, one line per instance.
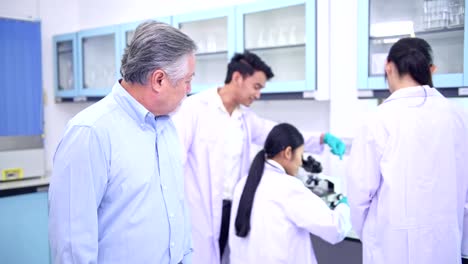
(217, 130)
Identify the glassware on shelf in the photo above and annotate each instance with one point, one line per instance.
(437, 13)
(456, 13)
(210, 35)
(275, 28)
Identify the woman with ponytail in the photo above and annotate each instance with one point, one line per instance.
(408, 173)
(273, 213)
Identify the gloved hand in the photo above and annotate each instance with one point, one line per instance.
(336, 145)
(339, 199)
(343, 200)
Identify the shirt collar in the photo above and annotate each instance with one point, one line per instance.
(132, 107)
(275, 165)
(416, 91)
(217, 101)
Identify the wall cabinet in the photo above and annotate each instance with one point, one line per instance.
(282, 33)
(214, 34)
(440, 22)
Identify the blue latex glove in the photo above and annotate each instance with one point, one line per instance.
(337, 146)
(343, 200)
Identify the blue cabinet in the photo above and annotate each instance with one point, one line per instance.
(21, 111)
(24, 229)
(98, 60)
(440, 22)
(283, 34)
(65, 65)
(214, 34)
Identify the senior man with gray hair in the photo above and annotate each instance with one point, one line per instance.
(116, 194)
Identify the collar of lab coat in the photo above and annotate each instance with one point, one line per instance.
(275, 165)
(416, 91)
(213, 98)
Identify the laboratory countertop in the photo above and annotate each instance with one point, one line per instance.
(25, 183)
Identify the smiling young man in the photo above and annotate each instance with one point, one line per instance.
(217, 129)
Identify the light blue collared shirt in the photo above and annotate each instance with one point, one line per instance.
(116, 194)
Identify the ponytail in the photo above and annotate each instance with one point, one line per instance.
(280, 137)
(244, 211)
(413, 56)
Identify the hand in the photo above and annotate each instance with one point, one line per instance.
(343, 200)
(336, 145)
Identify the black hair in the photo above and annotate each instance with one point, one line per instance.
(413, 56)
(280, 137)
(247, 64)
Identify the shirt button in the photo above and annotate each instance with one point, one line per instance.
(172, 244)
(164, 187)
(171, 215)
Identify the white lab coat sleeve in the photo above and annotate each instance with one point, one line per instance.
(184, 122)
(364, 173)
(312, 142)
(260, 128)
(78, 183)
(465, 231)
(310, 212)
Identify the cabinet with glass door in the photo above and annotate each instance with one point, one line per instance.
(66, 66)
(439, 22)
(98, 61)
(283, 34)
(214, 34)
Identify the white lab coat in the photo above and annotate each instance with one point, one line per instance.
(284, 213)
(407, 182)
(201, 127)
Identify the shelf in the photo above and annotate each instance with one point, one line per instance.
(425, 32)
(208, 54)
(277, 47)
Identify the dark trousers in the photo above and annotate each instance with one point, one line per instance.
(224, 232)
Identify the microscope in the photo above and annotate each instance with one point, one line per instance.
(323, 188)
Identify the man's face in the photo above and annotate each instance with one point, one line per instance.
(174, 94)
(250, 87)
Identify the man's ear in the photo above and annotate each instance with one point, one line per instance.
(237, 78)
(157, 79)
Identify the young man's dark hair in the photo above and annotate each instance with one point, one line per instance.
(246, 64)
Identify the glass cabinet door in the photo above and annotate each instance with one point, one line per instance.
(439, 22)
(99, 60)
(213, 33)
(278, 37)
(283, 34)
(65, 65)
(211, 37)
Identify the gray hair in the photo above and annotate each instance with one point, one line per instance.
(156, 45)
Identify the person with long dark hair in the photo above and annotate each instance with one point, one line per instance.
(273, 213)
(408, 174)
